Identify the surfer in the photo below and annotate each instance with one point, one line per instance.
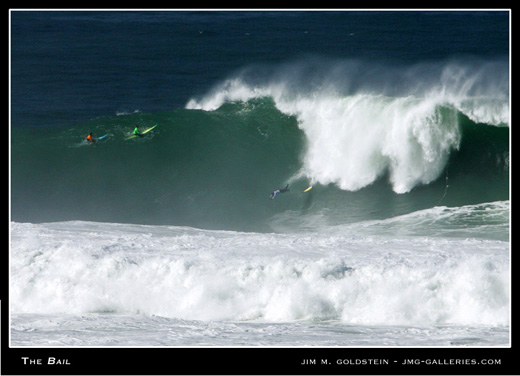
(275, 193)
(89, 138)
(137, 132)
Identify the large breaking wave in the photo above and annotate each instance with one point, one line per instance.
(374, 141)
(362, 120)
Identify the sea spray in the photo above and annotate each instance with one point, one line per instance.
(363, 120)
(353, 141)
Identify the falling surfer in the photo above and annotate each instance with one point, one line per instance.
(275, 193)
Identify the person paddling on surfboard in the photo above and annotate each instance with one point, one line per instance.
(275, 193)
(89, 138)
(137, 132)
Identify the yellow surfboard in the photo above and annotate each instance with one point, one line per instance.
(308, 189)
(142, 133)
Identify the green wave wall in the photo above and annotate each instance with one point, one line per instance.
(216, 169)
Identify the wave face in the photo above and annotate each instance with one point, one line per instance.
(374, 141)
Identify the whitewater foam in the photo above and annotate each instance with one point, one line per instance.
(183, 273)
(362, 122)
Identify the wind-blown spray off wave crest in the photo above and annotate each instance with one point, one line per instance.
(362, 121)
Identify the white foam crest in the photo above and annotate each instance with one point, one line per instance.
(362, 122)
(210, 275)
(481, 91)
(354, 140)
(231, 90)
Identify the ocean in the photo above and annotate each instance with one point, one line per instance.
(399, 120)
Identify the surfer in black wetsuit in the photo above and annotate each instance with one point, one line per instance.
(275, 193)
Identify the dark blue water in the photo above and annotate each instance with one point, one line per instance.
(74, 66)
